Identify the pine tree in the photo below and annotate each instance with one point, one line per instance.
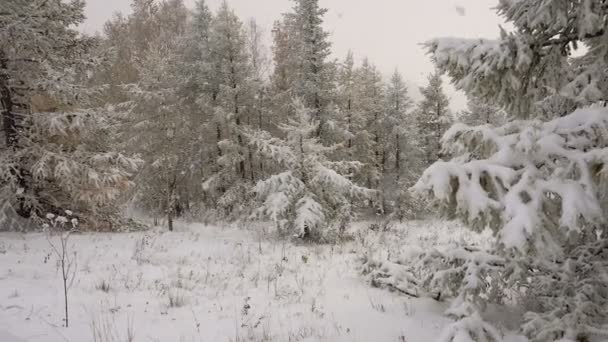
(56, 153)
(433, 118)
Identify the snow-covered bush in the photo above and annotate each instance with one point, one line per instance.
(538, 186)
(311, 195)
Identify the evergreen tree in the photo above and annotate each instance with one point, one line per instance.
(479, 113)
(433, 118)
(285, 66)
(258, 112)
(302, 50)
(536, 184)
(538, 61)
(370, 136)
(345, 98)
(311, 195)
(398, 120)
(401, 142)
(56, 154)
(232, 75)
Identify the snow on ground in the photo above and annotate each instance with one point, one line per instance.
(226, 285)
(204, 283)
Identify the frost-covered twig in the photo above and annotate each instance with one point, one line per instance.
(62, 227)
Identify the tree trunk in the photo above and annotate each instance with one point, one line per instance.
(10, 125)
(170, 203)
(350, 125)
(170, 220)
(9, 117)
(218, 136)
(398, 156)
(251, 169)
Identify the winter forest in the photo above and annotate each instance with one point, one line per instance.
(188, 175)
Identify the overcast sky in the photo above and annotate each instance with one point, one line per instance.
(387, 31)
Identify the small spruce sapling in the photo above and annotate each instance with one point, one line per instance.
(310, 194)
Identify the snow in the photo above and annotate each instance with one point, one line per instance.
(8, 337)
(517, 170)
(233, 285)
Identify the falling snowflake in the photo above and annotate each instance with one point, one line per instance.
(460, 10)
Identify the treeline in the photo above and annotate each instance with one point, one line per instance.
(188, 113)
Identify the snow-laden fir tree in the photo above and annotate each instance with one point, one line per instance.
(398, 105)
(311, 196)
(346, 83)
(432, 118)
(539, 185)
(303, 68)
(199, 91)
(260, 67)
(540, 63)
(258, 111)
(195, 50)
(369, 128)
(403, 162)
(479, 113)
(232, 74)
(56, 153)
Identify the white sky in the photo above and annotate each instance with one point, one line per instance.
(387, 31)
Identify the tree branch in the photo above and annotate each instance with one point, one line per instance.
(566, 38)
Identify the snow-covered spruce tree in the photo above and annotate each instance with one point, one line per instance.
(534, 65)
(539, 185)
(479, 113)
(345, 100)
(56, 153)
(232, 73)
(432, 118)
(311, 195)
(403, 162)
(368, 129)
(197, 92)
(257, 112)
(303, 69)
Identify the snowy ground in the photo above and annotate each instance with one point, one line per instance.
(225, 285)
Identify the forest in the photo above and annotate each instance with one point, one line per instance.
(188, 175)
